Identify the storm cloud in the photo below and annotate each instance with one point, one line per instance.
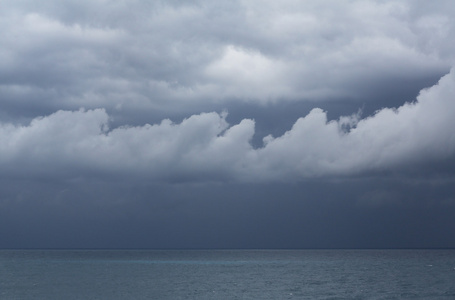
(168, 57)
(227, 124)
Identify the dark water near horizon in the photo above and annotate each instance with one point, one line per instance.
(227, 274)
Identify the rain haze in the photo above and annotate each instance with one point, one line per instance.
(227, 124)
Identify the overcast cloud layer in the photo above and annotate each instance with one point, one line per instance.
(100, 58)
(167, 56)
(227, 123)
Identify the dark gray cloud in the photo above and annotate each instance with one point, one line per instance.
(237, 124)
(175, 57)
(368, 212)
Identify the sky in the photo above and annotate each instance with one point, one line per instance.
(227, 124)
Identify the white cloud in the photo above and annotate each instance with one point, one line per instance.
(249, 75)
(205, 147)
(419, 132)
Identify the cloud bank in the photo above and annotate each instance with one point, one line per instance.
(239, 124)
(173, 56)
(206, 147)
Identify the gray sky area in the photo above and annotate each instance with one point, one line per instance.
(227, 124)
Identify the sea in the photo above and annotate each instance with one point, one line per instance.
(227, 274)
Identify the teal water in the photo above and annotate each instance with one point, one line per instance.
(227, 274)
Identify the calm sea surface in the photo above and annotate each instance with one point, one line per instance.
(227, 274)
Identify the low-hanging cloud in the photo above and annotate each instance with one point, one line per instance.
(206, 147)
